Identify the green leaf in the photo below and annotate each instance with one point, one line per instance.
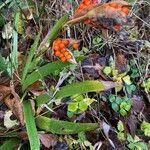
(3, 65)
(146, 84)
(29, 59)
(127, 80)
(141, 146)
(45, 70)
(58, 26)
(130, 88)
(77, 97)
(30, 126)
(88, 101)
(82, 106)
(145, 126)
(70, 114)
(63, 127)
(19, 22)
(121, 136)
(10, 144)
(132, 146)
(123, 105)
(14, 52)
(130, 138)
(123, 112)
(118, 100)
(96, 40)
(82, 136)
(115, 107)
(120, 126)
(107, 70)
(73, 106)
(128, 107)
(80, 88)
(55, 30)
(112, 98)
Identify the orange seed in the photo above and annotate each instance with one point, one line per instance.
(75, 45)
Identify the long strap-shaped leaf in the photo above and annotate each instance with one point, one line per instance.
(80, 87)
(30, 126)
(30, 57)
(76, 88)
(10, 144)
(45, 70)
(63, 127)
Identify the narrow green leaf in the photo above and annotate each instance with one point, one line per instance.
(80, 87)
(63, 127)
(45, 70)
(14, 52)
(3, 65)
(55, 30)
(18, 22)
(30, 126)
(30, 57)
(73, 89)
(57, 27)
(10, 144)
(72, 106)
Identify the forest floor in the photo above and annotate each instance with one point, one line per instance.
(71, 87)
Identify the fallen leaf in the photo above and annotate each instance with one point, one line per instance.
(131, 122)
(121, 62)
(15, 105)
(48, 140)
(8, 123)
(138, 104)
(93, 65)
(4, 91)
(7, 31)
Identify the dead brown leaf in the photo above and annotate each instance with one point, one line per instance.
(131, 122)
(48, 140)
(15, 105)
(4, 91)
(121, 62)
(138, 104)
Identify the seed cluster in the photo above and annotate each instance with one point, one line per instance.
(61, 51)
(107, 22)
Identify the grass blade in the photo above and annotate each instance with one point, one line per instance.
(63, 127)
(30, 126)
(57, 27)
(14, 53)
(45, 70)
(10, 144)
(52, 34)
(80, 87)
(72, 89)
(30, 57)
